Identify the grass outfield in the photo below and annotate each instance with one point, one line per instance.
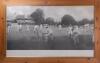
(58, 43)
(29, 41)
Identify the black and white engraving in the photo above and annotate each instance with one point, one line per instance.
(50, 28)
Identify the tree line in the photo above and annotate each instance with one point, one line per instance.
(38, 17)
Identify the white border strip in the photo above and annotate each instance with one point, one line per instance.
(50, 53)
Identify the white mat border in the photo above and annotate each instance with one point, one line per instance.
(50, 53)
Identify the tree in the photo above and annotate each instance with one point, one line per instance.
(85, 21)
(68, 20)
(50, 21)
(92, 21)
(38, 16)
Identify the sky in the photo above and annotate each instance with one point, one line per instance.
(56, 12)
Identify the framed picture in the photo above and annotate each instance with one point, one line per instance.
(39, 48)
(50, 31)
